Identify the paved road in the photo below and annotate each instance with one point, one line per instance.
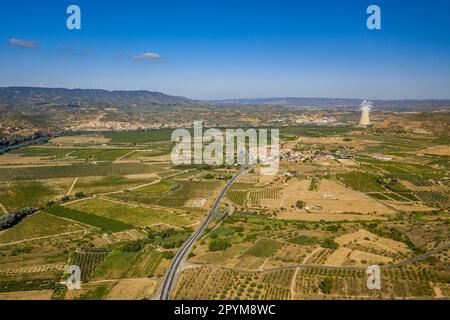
(171, 275)
(417, 258)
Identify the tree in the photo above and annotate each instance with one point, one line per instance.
(167, 255)
(50, 203)
(326, 285)
(9, 220)
(300, 204)
(133, 246)
(329, 243)
(218, 245)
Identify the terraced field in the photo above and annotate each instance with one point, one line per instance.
(434, 199)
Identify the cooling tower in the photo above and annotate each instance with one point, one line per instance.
(366, 106)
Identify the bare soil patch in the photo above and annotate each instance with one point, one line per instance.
(327, 216)
(368, 239)
(438, 150)
(133, 289)
(27, 295)
(11, 159)
(331, 197)
(339, 257)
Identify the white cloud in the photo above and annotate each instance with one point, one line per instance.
(147, 56)
(23, 43)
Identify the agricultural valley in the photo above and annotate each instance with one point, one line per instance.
(345, 198)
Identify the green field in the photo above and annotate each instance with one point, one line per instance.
(154, 150)
(20, 194)
(171, 194)
(145, 264)
(128, 214)
(38, 225)
(77, 170)
(42, 152)
(87, 261)
(238, 197)
(315, 131)
(95, 185)
(304, 240)
(101, 154)
(361, 181)
(115, 266)
(28, 285)
(189, 190)
(140, 137)
(104, 223)
(434, 199)
(263, 248)
(266, 193)
(128, 264)
(147, 195)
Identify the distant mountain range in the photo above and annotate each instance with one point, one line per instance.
(31, 96)
(19, 98)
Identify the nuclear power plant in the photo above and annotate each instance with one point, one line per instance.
(366, 106)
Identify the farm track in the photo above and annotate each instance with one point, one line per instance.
(124, 156)
(171, 276)
(309, 256)
(292, 286)
(72, 186)
(417, 258)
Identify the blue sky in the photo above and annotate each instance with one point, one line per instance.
(231, 48)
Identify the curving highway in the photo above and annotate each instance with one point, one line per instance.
(172, 273)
